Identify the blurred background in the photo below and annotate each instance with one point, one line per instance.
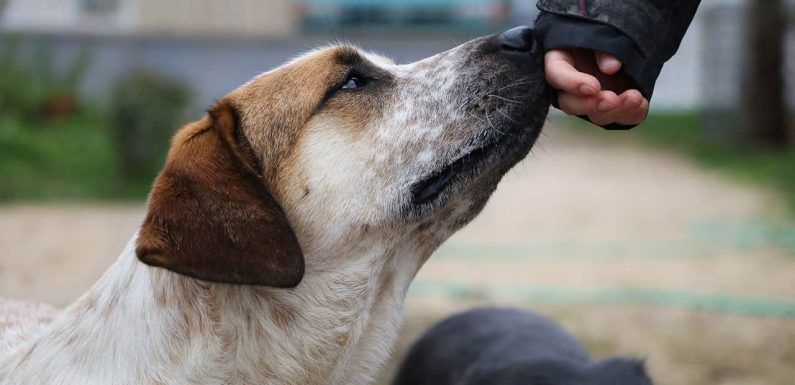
(674, 241)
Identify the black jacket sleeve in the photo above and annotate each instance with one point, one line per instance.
(643, 34)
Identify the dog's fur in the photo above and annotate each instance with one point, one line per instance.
(287, 224)
(494, 346)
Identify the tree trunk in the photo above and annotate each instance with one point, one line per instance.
(765, 105)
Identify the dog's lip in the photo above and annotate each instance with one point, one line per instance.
(430, 187)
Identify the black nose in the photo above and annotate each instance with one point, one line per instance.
(516, 41)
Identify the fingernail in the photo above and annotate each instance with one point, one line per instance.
(612, 63)
(587, 90)
(604, 106)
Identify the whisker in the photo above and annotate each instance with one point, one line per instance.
(519, 82)
(492, 125)
(475, 116)
(507, 117)
(502, 98)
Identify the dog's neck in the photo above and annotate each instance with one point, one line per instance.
(145, 325)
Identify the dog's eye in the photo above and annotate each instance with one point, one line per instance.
(355, 82)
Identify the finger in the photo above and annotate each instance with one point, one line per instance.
(561, 74)
(576, 104)
(626, 113)
(632, 110)
(608, 63)
(638, 116)
(632, 96)
(645, 105)
(608, 101)
(626, 110)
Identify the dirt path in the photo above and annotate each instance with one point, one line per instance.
(585, 229)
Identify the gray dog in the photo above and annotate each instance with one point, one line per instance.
(491, 346)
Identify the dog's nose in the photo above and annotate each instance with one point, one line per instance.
(517, 41)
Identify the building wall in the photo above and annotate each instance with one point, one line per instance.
(273, 18)
(704, 73)
(255, 18)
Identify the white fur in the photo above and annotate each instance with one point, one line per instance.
(127, 338)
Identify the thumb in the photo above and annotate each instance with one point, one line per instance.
(608, 63)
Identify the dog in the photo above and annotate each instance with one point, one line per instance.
(283, 232)
(501, 346)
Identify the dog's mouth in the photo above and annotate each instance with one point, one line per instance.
(429, 188)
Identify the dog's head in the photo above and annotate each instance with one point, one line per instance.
(338, 144)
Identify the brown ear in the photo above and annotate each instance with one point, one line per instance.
(210, 213)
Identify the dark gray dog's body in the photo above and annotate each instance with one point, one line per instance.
(492, 346)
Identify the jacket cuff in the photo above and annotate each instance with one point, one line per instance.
(638, 19)
(560, 32)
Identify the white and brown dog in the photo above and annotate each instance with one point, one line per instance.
(287, 224)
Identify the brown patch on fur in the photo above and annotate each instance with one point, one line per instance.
(248, 318)
(207, 319)
(265, 372)
(115, 296)
(161, 299)
(355, 110)
(71, 340)
(213, 212)
(275, 106)
(282, 314)
(342, 340)
(212, 217)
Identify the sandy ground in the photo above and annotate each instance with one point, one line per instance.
(581, 223)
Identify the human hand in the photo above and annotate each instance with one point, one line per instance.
(589, 83)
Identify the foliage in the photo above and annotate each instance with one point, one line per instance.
(54, 146)
(32, 88)
(145, 110)
(71, 160)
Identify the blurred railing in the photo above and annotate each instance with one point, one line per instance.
(472, 14)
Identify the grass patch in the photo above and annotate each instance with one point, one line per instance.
(56, 146)
(70, 159)
(681, 132)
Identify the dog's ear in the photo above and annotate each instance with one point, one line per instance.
(211, 215)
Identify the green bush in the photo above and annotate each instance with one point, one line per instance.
(54, 146)
(145, 110)
(30, 85)
(71, 160)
